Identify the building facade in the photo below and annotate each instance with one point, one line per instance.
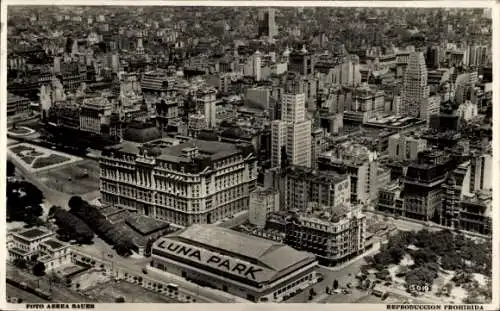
(335, 236)
(262, 202)
(415, 88)
(245, 266)
(304, 185)
(193, 182)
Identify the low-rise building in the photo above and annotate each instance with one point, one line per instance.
(245, 266)
(36, 242)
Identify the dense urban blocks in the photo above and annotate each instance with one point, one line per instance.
(235, 154)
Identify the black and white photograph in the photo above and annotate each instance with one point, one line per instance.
(270, 153)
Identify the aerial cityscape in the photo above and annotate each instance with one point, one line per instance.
(172, 154)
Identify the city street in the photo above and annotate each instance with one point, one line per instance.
(25, 297)
(344, 274)
(411, 225)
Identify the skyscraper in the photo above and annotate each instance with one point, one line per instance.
(293, 131)
(415, 88)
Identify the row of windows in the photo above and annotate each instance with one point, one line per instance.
(292, 285)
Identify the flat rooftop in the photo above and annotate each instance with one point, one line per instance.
(176, 153)
(146, 225)
(11, 98)
(54, 244)
(33, 233)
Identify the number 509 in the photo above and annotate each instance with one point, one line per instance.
(420, 288)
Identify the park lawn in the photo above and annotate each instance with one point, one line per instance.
(20, 148)
(50, 160)
(27, 159)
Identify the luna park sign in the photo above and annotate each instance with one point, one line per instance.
(211, 259)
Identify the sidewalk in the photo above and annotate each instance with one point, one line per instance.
(424, 224)
(374, 250)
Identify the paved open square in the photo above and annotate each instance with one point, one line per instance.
(77, 179)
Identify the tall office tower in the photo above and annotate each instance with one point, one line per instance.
(206, 99)
(267, 25)
(257, 63)
(481, 172)
(57, 64)
(278, 140)
(476, 55)
(301, 62)
(115, 62)
(415, 88)
(140, 47)
(293, 132)
(349, 71)
(293, 107)
(432, 57)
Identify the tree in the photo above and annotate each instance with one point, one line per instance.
(75, 202)
(423, 256)
(396, 253)
(421, 276)
(451, 262)
(147, 250)
(20, 263)
(71, 227)
(335, 284)
(24, 202)
(11, 168)
(39, 269)
(422, 238)
(120, 299)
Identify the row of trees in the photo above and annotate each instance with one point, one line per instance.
(101, 226)
(70, 226)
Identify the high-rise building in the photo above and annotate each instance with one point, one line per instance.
(293, 132)
(94, 113)
(359, 163)
(140, 47)
(206, 99)
(464, 86)
(278, 141)
(267, 24)
(481, 172)
(476, 55)
(423, 182)
(405, 148)
(301, 62)
(193, 182)
(432, 57)
(430, 106)
(326, 188)
(262, 202)
(415, 88)
(257, 66)
(298, 144)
